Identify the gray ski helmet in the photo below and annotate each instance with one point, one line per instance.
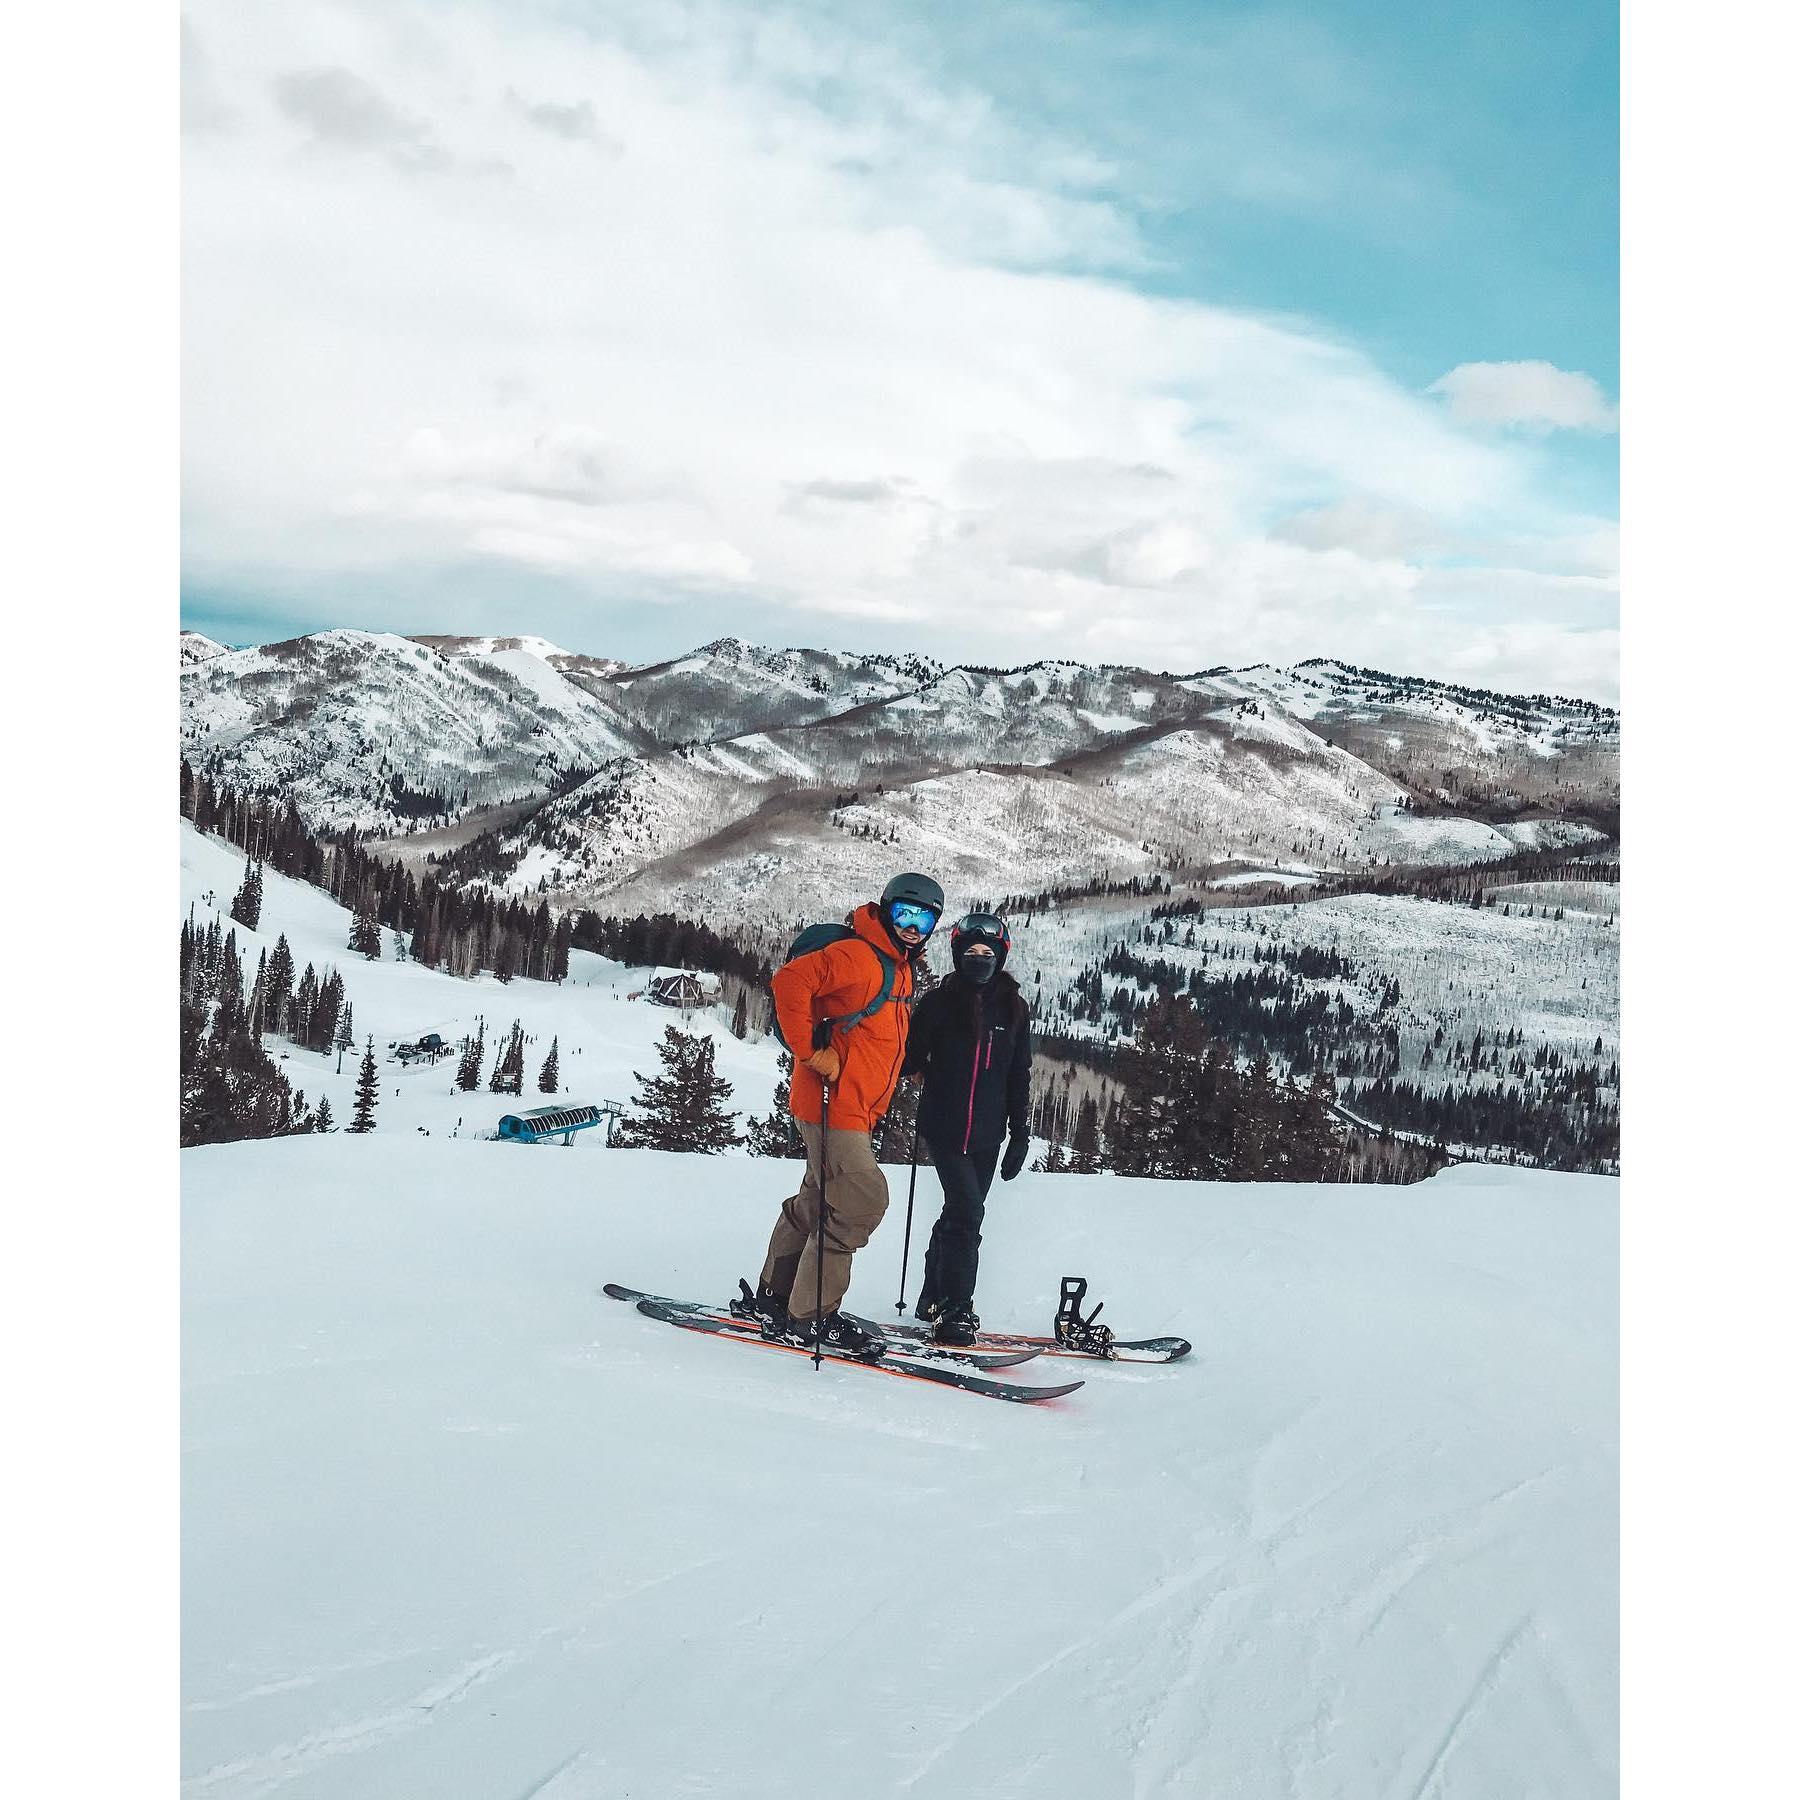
(921, 890)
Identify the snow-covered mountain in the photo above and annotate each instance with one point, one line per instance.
(767, 827)
(368, 729)
(728, 688)
(197, 648)
(753, 783)
(488, 649)
(1451, 742)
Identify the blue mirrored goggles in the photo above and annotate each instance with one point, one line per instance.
(903, 915)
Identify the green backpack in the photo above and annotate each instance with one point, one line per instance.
(816, 937)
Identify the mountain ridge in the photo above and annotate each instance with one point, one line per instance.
(594, 779)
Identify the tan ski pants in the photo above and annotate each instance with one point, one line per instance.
(856, 1196)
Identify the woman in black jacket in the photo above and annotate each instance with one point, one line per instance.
(971, 1039)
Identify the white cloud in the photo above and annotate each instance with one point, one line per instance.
(1534, 395)
(863, 361)
(1365, 526)
(201, 108)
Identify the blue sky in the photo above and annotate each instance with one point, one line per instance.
(1438, 182)
(1163, 332)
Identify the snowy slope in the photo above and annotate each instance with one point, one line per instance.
(458, 1529)
(749, 843)
(1457, 970)
(603, 1037)
(728, 688)
(1536, 747)
(197, 648)
(333, 720)
(1335, 693)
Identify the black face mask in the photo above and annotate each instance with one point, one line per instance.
(980, 969)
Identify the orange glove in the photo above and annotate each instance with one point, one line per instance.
(824, 1064)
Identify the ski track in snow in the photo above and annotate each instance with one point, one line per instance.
(263, 1774)
(1485, 1684)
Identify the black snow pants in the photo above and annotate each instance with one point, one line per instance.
(954, 1253)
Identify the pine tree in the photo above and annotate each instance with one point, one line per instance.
(246, 908)
(468, 1070)
(368, 1092)
(326, 1013)
(230, 1089)
(258, 993)
(509, 1066)
(322, 1120)
(1084, 1147)
(683, 1107)
(894, 1135)
(740, 1015)
(346, 1034)
(279, 1000)
(1316, 1146)
(1256, 1149)
(776, 1135)
(365, 933)
(1142, 1139)
(548, 1075)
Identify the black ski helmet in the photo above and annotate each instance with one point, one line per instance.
(910, 890)
(921, 890)
(981, 928)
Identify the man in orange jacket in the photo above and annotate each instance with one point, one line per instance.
(856, 1062)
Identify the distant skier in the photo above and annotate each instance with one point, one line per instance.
(971, 1039)
(862, 1065)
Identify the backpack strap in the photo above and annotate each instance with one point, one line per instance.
(823, 1030)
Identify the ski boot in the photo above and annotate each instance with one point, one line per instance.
(955, 1325)
(926, 1311)
(838, 1333)
(1073, 1332)
(765, 1309)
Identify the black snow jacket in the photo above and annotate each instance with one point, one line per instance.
(973, 1045)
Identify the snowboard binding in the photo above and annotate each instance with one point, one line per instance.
(1075, 1332)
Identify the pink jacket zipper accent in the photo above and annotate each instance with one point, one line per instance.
(974, 1076)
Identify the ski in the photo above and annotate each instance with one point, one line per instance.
(902, 1365)
(1159, 1349)
(971, 1357)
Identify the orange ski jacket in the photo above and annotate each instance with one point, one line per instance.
(825, 984)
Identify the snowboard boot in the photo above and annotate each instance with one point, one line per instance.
(956, 1325)
(841, 1335)
(765, 1309)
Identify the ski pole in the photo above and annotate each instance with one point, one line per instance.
(819, 1261)
(912, 1181)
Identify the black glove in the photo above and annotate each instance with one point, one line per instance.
(1018, 1147)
